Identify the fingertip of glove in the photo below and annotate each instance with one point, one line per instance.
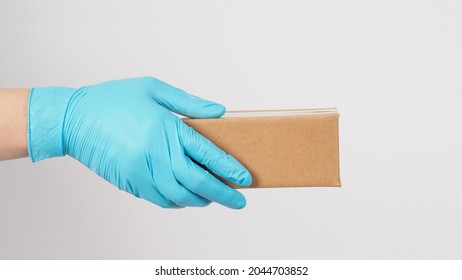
(239, 202)
(241, 176)
(214, 110)
(245, 179)
(241, 206)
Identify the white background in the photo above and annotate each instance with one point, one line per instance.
(393, 69)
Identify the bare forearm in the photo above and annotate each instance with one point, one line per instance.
(13, 123)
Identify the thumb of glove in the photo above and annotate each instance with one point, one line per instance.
(185, 104)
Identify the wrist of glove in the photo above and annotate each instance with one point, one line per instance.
(125, 132)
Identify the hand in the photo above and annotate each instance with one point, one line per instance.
(125, 132)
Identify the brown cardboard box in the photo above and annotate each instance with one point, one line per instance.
(286, 148)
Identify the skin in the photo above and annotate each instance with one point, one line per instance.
(13, 123)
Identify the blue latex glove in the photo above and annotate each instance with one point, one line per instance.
(125, 132)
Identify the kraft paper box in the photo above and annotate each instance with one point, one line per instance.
(282, 148)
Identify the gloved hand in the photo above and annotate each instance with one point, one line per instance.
(124, 131)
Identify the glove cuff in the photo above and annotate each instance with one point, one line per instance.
(47, 108)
